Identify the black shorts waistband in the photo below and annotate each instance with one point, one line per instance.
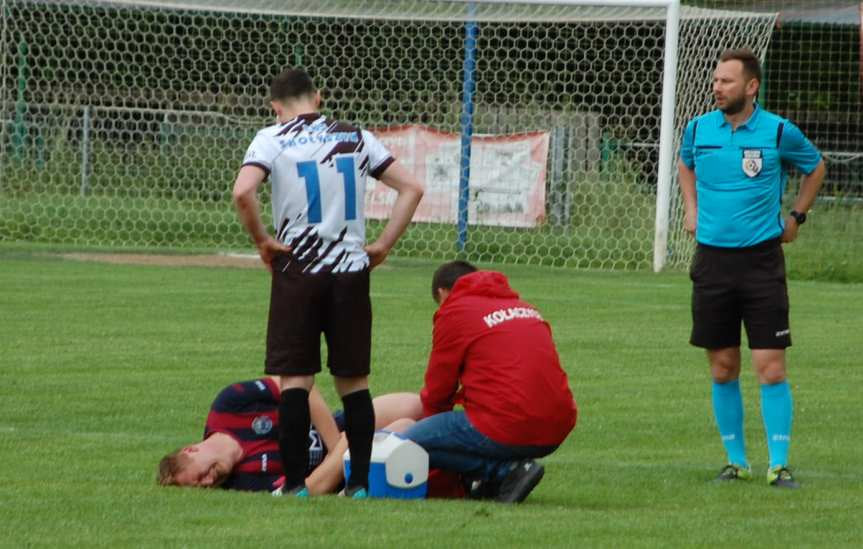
(766, 245)
(287, 263)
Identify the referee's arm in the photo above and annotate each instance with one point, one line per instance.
(686, 180)
(809, 187)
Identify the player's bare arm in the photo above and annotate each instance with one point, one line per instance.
(326, 477)
(686, 179)
(809, 188)
(249, 211)
(322, 419)
(410, 191)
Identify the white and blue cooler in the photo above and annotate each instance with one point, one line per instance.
(399, 467)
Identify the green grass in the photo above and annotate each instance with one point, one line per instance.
(107, 367)
(611, 228)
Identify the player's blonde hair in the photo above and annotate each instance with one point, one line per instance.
(171, 465)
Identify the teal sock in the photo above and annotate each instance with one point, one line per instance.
(777, 410)
(728, 410)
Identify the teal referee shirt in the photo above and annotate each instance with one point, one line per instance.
(740, 175)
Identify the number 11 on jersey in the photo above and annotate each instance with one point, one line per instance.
(309, 172)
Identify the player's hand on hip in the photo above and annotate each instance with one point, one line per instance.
(377, 254)
(689, 222)
(791, 228)
(269, 248)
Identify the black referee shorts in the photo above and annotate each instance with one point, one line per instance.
(303, 306)
(731, 285)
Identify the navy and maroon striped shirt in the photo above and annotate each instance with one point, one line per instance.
(249, 413)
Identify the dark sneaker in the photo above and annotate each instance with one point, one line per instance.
(781, 477)
(519, 482)
(734, 472)
(482, 489)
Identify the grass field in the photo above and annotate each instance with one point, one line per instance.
(611, 229)
(105, 368)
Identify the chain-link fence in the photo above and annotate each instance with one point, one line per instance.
(123, 123)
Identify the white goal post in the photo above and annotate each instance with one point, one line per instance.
(669, 82)
(545, 130)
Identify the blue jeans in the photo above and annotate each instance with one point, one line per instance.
(455, 445)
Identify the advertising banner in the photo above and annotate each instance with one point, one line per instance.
(507, 176)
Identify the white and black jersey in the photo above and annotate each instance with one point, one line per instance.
(318, 169)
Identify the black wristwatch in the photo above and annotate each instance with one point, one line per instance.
(800, 218)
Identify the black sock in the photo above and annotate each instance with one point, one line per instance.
(359, 429)
(294, 422)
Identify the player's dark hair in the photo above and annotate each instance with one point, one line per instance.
(751, 63)
(446, 275)
(291, 84)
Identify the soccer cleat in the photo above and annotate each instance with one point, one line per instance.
(781, 477)
(297, 491)
(355, 492)
(519, 482)
(734, 472)
(482, 489)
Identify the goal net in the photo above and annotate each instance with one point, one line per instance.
(535, 126)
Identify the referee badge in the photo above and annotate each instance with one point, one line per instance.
(752, 162)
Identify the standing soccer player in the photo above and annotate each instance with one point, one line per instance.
(320, 267)
(732, 178)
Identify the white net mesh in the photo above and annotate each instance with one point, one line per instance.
(124, 123)
(813, 75)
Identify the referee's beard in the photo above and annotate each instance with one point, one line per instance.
(733, 107)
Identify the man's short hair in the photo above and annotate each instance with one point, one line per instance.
(171, 465)
(291, 84)
(751, 63)
(446, 275)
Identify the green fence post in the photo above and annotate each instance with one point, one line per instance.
(165, 131)
(40, 150)
(607, 148)
(19, 130)
(85, 151)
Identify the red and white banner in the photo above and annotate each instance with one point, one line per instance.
(507, 176)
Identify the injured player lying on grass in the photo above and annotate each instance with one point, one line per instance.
(240, 448)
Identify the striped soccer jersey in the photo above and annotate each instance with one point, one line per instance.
(249, 413)
(318, 170)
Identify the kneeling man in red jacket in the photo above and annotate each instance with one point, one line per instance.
(493, 354)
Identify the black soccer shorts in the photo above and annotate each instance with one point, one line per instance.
(734, 285)
(303, 306)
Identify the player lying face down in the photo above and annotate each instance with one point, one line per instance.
(240, 449)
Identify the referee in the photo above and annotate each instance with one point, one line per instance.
(732, 178)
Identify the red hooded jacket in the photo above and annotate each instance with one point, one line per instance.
(500, 350)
